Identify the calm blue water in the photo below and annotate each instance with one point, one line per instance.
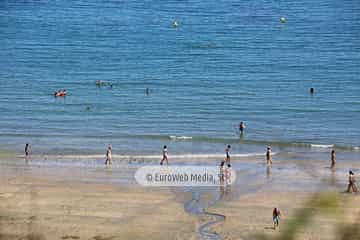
(226, 62)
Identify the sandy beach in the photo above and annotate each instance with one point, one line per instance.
(51, 209)
(62, 202)
(252, 106)
(251, 215)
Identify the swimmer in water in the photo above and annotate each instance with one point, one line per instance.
(268, 156)
(108, 156)
(60, 93)
(147, 91)
(99, 83)
(333, 158)
(312, 90)
(227, 152)
(165, 156)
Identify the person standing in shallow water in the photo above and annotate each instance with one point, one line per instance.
(268, 156)
(333, 158)
(27, 151)
(165, 156)
(227, 152)
(108, 156)
(222, 172)
(241, 128)
(228, 174)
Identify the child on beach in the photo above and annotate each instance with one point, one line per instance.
(333, 158)
(276, 217)
(352, 185)
(27, 150)
(165, 156)
(227, 152)
(268, 156)
(108, 156)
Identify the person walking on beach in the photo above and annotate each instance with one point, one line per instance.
(108, 156)
(227, 152)
(268, 156)
(27, 151)
(276, 217)
(241, 128)
(333, 158)
(352, 185)
(221, 172)
(228, 174)
(165, 156)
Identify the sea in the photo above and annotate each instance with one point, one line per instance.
(182, 74)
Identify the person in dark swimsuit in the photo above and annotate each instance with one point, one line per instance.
(268, 156)
(27, 150)
(108, 156)
(165, 156)
(241, 128)
(333, 158)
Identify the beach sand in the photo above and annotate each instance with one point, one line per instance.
(251, 215)
(52, 202)
(74, 210)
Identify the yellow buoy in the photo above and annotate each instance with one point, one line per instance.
(283, 19)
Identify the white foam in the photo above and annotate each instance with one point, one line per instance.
(322, 145)
(180, 137)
